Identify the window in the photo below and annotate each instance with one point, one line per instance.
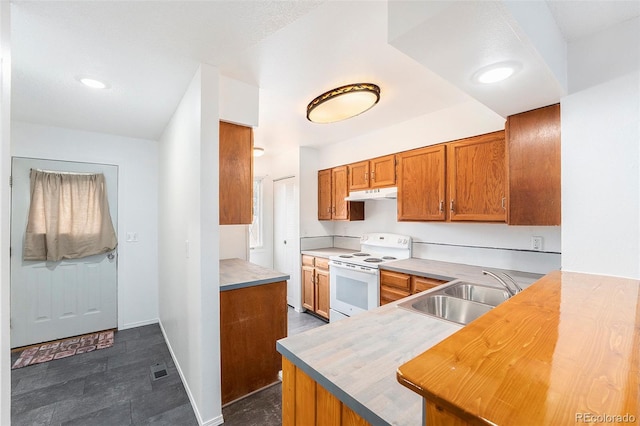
(255, 230)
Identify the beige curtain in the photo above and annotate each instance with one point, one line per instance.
(68, 216)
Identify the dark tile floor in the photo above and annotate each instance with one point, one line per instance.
(114, 386)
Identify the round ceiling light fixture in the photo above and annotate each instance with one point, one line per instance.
(93, 83)
(496, 72)
(343, 102)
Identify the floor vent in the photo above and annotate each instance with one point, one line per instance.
(158, 371)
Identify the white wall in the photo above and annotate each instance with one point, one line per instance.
(486, 244)
(601, 154)
(137, 161)
(189, 243)
(5, 212)
(234, 242)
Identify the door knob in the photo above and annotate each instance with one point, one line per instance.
(111, 256)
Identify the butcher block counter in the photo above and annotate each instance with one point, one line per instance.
(253, 315)
(564, 351)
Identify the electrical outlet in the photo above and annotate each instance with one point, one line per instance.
(536, 243)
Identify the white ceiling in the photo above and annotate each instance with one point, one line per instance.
(148, 51)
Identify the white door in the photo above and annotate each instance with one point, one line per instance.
(284, 234)
(53, 300)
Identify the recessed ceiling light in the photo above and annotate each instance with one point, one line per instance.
(343, 102)
(93, 83)
(496, 72)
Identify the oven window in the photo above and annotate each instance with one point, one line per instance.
(353, 292)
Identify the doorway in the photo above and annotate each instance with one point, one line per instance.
(285, 233)
(52, 300)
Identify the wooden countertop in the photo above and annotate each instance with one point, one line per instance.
(238, 273)
(567, 346)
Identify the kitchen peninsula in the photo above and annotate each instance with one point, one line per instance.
(348, 368)
(253, 315)
(565, 351)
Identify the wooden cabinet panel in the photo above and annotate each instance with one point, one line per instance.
(306, 402)
(324, 195)
(438, 416)
(340, 191)
(421, 184)
(308, 288)
(315, 285)
(358, 175)
(308, 260)
(533, 165)
(391, 294)
(383, 171)
(476, 178)
(251, 320)
(322, 293)
(419, 284)
(236, 174)
(333, 187)
(395, 279)
(322, 263)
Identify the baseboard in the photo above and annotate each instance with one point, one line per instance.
(211, 422)
(138, 324)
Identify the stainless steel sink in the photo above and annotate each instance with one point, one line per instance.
(446, 307)
(460, 302)
(477, 293)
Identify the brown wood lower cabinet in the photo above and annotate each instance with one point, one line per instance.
(315, 285)
(251, 320)
(305, 402)
(397, 285)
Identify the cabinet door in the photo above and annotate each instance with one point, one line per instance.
(322, 293)
(419, 284)
(421, 184)
(476, 176)
(236, 174)
(324, 194)
(383, 171)
(533, 158)
(395, 279)
(308, 288)
(358, 175)
(340, 191)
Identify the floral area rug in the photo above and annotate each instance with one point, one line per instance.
(64, 348)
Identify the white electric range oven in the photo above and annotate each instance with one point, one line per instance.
(354, 278)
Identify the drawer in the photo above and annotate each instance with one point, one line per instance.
(322, 263)
(419, 284)
(307, 260)
(391, 294)
(396, 279)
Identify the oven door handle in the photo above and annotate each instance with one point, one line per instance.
(354, 268)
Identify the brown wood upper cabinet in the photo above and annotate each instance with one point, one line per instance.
(421, 184)
(375, 173)
(236, 174)
(332, 190)
(533, 167)
(476, 178)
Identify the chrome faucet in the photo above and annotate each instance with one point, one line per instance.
(510, 290)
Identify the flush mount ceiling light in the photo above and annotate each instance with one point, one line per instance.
(496, 72)
(343, 102)
(257, 151)
(93, 83)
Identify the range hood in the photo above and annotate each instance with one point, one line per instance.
(390, 193)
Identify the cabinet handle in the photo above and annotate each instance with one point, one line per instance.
(452, 205)
(504, 203)
(366, 177)
(373, 175)
(441, 206)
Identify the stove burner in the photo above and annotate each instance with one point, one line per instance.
(373, 260)
(388, 258)
(361, 254)
(346, 256)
